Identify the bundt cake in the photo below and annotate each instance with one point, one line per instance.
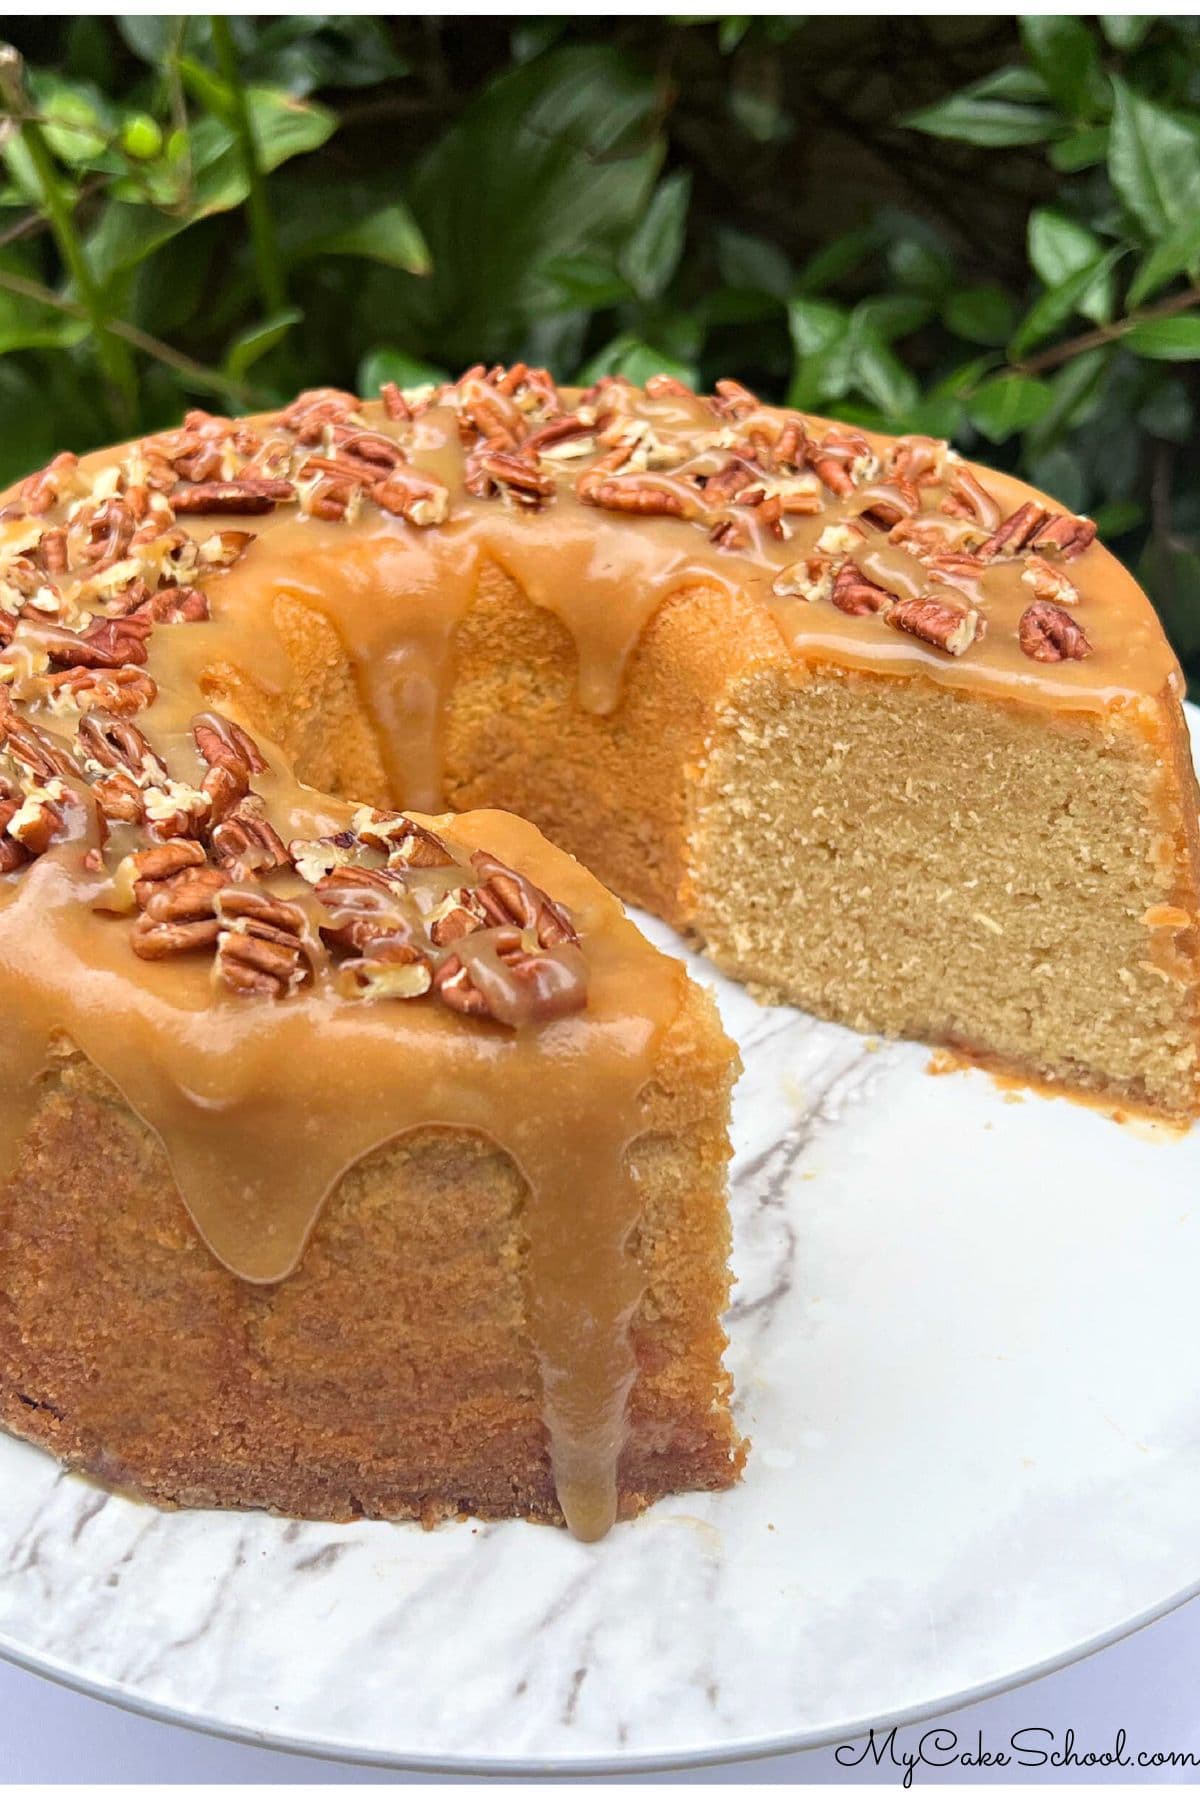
(890, 735)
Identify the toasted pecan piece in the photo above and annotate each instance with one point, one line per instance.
(1048, 634)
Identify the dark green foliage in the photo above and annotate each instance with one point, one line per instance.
(982, 228)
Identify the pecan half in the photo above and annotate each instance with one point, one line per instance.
(246, 842)
(855, 593)
(232, 757)
(105, 644)
(489, 470)
(254, 495)
(180, 914)
(262, 944)
(966, 498)
(509, 898)
(1067, 534)
(1048, 634)
(495, 974)
(645, 494)
(395, 406)
(1017, 531)
(109, 742)
(936, 622)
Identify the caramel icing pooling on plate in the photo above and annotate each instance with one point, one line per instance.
(600, 505)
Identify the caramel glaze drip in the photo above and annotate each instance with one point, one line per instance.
(317, 1046)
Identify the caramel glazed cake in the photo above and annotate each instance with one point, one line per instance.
(888, 734)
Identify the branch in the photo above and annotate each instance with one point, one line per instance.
(208, 380)
(1106, 334)
(114, 358)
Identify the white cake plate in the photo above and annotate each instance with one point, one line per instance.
(966, 1349)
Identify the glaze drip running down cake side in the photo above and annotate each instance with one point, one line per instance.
(893, 736)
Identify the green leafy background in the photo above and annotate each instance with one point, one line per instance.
(987, 229)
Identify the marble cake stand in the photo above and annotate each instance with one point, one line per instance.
(965, 1344)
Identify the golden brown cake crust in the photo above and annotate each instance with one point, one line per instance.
(894, 737)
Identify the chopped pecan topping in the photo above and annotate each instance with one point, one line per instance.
(1069, 535)
(967, 498)
(394, 404)
(122, 691)
(855, 593)
(109, 742)
(180, 914)
(644, 494)
(246, 843)
(489, 471)
(412, 496)
(1049, 583)
(243, 496)
(509, 898)
(262, 943)
(885, 503)
(40, 492)
(104, 644)
(149, 868)
(937, 622)
(232, 757)
(1017, 531)
(1048, 634)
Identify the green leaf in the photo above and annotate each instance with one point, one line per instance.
(257, 340)
(922, 266)
(982, 315)
(1116, 517)
(1065, 55)
(815, 325)
(285, 127)
(987, 113)
(1153, 161)
(1008, 404)
(1166, 340)
(384, 364)
(588, 281)
(651, 253)
(1060, 247)
(892, 316)
(1057, 304)
(128, 231)
(753, 263)
(1177, 251)
(29, 324)
(860, 362)
(1081, 150)
(837, 259)
(555, 158)
(78, 120)
(390, 236)
(1078, 389)
(1124, 32)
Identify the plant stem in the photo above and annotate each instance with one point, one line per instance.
(1107, 334)
(208, 380)
(114, 357)
(268, 262)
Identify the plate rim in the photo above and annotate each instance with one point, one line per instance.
(822, 1737)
